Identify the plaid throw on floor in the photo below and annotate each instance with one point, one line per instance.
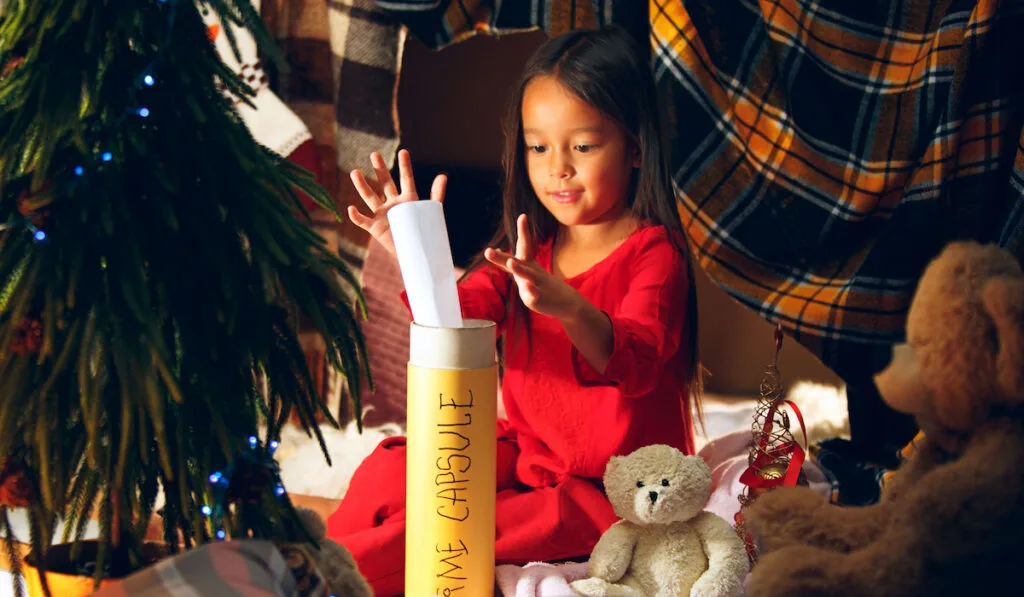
(825, 151)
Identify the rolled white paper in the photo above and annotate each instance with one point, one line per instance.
(425, 258)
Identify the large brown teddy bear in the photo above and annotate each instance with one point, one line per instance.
(951, 520)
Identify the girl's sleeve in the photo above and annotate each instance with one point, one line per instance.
(647, 325)
(482, 294)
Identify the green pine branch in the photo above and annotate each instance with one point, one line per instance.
(154, 262)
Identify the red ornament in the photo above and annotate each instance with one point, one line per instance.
(11, 64)
(29, 337)
(15, 487)
(31, 206)
(249, 480)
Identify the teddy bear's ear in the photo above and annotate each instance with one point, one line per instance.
(1003, 298)
(612, 468)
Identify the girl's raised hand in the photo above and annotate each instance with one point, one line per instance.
(539, 290)
(377, 223)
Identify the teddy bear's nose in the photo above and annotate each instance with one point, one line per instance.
(653, 495)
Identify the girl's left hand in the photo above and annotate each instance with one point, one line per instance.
(540, 291)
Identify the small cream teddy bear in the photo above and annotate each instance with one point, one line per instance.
(666, 545)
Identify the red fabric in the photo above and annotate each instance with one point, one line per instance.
(565, 418)
(305, 156)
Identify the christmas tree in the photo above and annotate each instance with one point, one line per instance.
(154, 264)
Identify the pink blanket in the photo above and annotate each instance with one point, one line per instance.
(727, 457)
(539, 578)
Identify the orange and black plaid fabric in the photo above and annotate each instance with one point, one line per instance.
(438, 23)
(825, 151)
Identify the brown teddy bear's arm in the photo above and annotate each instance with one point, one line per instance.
(976, 498)
(614, 551)
(798, 515)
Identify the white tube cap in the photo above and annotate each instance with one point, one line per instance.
(470, 347)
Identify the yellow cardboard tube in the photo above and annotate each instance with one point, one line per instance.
(450, 478)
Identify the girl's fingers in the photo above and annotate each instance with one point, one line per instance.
(359, 219)
(522, 239)
(405, 177)
(513, 264)
(498, 258)
(527, 276)
(380, 170)
(365, 190)
(521, 270)
(438, 188)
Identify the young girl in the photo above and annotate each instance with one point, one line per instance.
(591, 287)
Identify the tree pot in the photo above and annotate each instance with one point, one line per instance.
(73, 578)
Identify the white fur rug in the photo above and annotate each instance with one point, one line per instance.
(304, 470)
(6, 584)
(303, 467)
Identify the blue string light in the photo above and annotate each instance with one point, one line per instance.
(147, 79)
(221, 481)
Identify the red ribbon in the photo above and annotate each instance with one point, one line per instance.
(751, 478)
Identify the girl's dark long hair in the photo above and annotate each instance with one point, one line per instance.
(605, 68)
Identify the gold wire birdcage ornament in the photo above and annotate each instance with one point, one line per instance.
(774, 451)
(770, 455)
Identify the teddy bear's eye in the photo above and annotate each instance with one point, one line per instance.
(664, 482)
(639, 483)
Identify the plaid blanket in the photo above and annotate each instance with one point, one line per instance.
(824, 152)
(439, 23)
(243, 568)
(343, 61)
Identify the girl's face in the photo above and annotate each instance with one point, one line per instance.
(579, 161)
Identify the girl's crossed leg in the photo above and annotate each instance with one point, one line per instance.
(532, 523)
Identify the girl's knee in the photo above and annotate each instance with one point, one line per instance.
(385, 464)
(395, 442)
